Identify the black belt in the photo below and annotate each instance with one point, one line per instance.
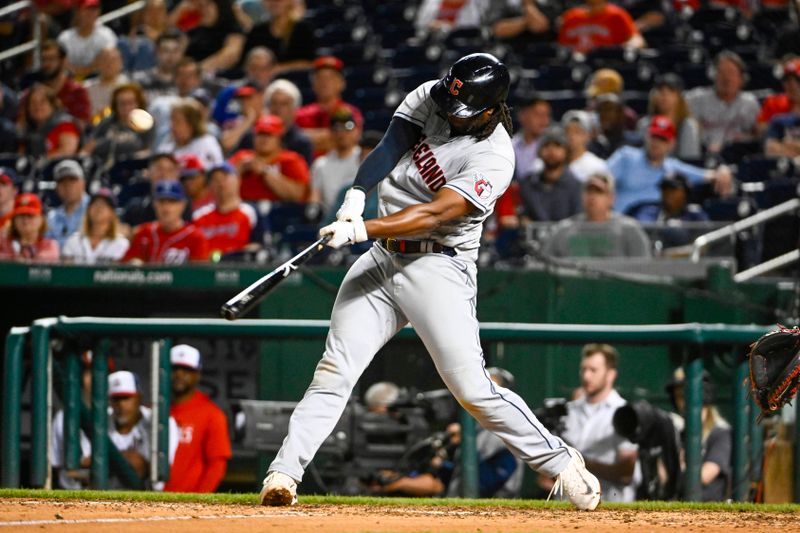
(416, 247)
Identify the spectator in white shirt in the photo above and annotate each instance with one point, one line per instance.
(189, 136)
(588, 424)
(579, 128)
(84, 42)
(99, 239)
(534, 117)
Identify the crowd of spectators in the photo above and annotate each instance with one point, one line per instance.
(262, 111)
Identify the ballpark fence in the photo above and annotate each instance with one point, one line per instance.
(46, 334)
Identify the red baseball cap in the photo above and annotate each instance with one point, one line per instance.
(27, 204)
(332, 62)
(88, 3)
(269, 124)
(190, 165)
(245, 90)
(662, 126)
(792, 68)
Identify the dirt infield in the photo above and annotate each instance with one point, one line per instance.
(96, 516)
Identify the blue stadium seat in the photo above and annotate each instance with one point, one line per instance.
(729, 209)
(128, 191)
(757, 168)
(777, 191)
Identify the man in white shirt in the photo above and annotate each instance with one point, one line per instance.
(86, 39)
(534, 118)
(579, 128)
(335, 170)
(128, 429)
(589, 428)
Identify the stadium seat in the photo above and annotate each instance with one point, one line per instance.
(757, 168)
(123, 172)
(133, 189)
(777, 191)
(729, 209)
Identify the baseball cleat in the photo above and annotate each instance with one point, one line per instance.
(581, 486)
(278, 490)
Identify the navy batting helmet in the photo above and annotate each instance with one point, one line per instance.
(473, 84)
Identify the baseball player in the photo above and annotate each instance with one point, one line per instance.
(443, 162)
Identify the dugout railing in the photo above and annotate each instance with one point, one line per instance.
(45, 334)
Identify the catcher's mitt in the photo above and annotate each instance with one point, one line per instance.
(775, 368)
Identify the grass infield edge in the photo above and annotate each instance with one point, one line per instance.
(252, 499)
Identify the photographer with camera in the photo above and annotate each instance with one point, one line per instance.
(500, 473)
(588, 425)
(717, 439)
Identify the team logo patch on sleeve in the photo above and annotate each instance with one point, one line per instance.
(483, 188)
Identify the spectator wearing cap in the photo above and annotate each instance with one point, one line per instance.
(189, 134)
(188, 77)
(195, 181)
(283, 99)
(129, 427)
(270, 172)
(251, 103)
(335, 170)
(205, 447)
(782, 137)
(787, 101)
(666, 98)
(609, 81)
(53, 74)
(168, 240)
(85, 41)
(598, 231)
(99, 239)
(638, 171)
(553, 193)
(216, 41)
(65, 219)
(233, 103)
(598, 23)
(612, 133)
(23, 239)
(163, 166)
(9, 187)
(116, 137)
(725, 112)
(47, 130)
(534, 116)
(227, 223)
(328, 84)
(289, 36)
(579, 129)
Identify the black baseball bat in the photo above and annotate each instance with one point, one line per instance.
(243, 302)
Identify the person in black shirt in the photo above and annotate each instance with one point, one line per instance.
(216, 43)
(289, 37)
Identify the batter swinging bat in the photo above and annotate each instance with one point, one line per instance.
(243, 302)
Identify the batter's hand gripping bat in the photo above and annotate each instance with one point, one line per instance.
(243, 302)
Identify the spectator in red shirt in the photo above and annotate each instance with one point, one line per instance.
(598, 23)
(72, 95)
(47, 130)
(786, 102)
(194, 181)
(328, 83)
(9, 187)
(270, 172)
(169, 239)
(228, 222)
(204, 447)
(23, 239)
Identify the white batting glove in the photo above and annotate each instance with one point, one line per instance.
(353, 205)
(344, 232)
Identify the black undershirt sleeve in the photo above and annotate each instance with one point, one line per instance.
(399, 138)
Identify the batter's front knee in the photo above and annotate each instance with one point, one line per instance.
(331, 377)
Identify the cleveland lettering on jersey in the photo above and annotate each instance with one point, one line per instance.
(429, 169)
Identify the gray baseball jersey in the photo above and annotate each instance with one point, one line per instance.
(479, 171)
(383, 291)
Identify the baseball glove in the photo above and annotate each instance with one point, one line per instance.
(775, 368)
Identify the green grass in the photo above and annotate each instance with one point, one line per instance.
(252, 499)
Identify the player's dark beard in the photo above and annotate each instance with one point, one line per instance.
(466, 128)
